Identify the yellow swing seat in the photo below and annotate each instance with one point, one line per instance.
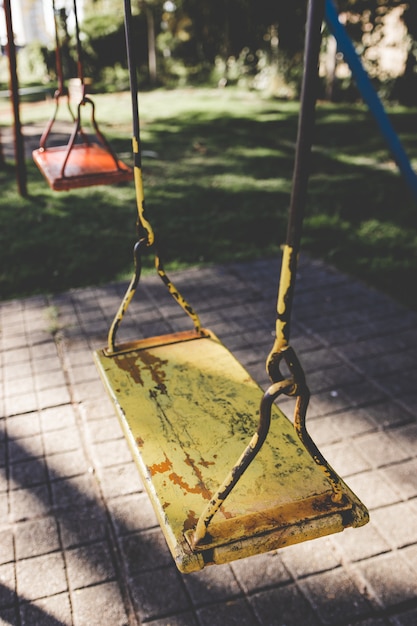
(188, 409)
(229, 476)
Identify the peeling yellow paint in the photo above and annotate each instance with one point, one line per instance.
(188, 410)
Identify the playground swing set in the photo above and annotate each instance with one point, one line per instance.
(82, 162)
(228, 474)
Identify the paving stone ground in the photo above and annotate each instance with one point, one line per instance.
(79, 543)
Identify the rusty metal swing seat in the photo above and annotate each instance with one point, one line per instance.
(84, 161)
(228, 474)
(84, 164)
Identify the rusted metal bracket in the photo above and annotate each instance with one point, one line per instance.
(295, 386)
(130, 292)
(201, 534)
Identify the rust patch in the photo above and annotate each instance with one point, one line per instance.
(206, 463)
(160, 468)
(131, 363)
(226, 514)
(204, 491)
(159, 389)
(156, 368)
(127, 363)
(327, 505)
(191, 521)
(200, 488)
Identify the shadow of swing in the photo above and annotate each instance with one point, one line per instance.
(272, 589)
(79, 527)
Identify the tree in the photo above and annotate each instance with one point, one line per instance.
(189, 37)
(366, 22)
(406, 88)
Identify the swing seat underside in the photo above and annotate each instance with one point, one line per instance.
(87, 165)
(188, 409)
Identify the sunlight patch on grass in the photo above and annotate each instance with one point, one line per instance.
(249, 183)
(217, 191)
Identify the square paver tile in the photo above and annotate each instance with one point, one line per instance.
(402, 476)
(212, 585)
(67, 464)
(6, 546)
(132, 512)
(21, 404)
(145, 550)
(361, 543)
(283, 606)
(28, 473)
(23, 425)
(410, 555)
(51, 611)
(381, 449)
(182, 619)
(7, 586)
(83, 524)
(233, 613)
(106, 429)
(100, 605)
(146, 590)
(29, 503)
(113, 452)
(260, 571)
(63, 440)
(310, 557)
(346, 458)
(89, 565)
(36, 537)
(120, 480)
(53, 397)
(77, 491)
(397, 524)
(374, 489)
(391, 578)
(335, 597)
(25, 449)
(57, 418)
(41, 576)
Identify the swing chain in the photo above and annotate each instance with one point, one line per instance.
(293, 364)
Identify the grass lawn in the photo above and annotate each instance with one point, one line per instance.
(217, 174)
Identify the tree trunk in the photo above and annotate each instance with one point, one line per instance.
(150, 22)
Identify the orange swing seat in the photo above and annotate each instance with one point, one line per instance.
(87, 165)
(83, 161)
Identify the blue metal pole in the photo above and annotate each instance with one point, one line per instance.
(369, 95)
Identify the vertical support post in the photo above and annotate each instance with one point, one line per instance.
(14, 91)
